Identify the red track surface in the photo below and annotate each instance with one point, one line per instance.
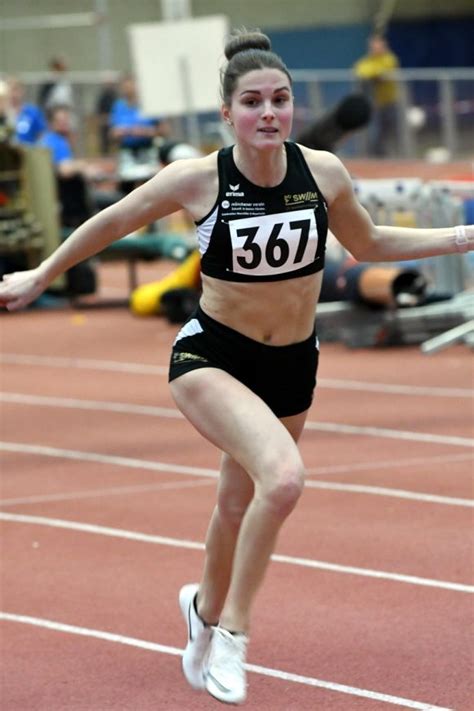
(406, 634)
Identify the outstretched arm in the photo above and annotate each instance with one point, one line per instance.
(367, 242)
(160, 196)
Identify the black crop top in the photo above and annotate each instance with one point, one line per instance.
(264, 234)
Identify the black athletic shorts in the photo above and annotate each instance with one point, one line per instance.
(284, 377)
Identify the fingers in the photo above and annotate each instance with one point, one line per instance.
(9, 296)
(14, 305)
(5, 298)
(11, 304)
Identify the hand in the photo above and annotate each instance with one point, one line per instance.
(21, 288)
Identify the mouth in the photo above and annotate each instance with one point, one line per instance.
(268, 129)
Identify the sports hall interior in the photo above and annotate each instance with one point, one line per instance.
(105, 488)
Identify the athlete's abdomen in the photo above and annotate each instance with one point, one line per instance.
(277, 312)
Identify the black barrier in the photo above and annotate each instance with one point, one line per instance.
(351, 114)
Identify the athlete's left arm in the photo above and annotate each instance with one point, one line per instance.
(354, 229)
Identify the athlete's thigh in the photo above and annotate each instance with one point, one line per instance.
(295, 424)
(235, 484)
(236, 420)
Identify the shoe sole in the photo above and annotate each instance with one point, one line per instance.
(215, 690)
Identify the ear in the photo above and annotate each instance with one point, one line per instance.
(225, 113)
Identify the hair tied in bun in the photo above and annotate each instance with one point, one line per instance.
(243, 40)
(247, 51)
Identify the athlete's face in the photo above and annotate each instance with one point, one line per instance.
(261, 109)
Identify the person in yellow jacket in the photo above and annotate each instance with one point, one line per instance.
(376, 70)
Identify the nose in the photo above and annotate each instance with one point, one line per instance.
(267, 111)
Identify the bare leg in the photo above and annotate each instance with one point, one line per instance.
(234, 494)
(256, 540)
(255, 545)
(234, 419)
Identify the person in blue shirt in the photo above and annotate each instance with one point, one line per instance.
(75, 176)
(28, 120)
(134, 134)
(58, 140)
(128, 125)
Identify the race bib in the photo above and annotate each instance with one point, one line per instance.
(274, 244)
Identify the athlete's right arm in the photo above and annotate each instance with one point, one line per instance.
(162, 195)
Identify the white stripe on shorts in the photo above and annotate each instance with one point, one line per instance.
(189, 329)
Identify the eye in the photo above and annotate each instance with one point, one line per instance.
(250, 102)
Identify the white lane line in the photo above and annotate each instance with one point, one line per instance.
(389, 433)
(144, 369)
(391, 464)
(256, 669)
(396, 493)
(195, 545)
(98, 405)
(393, 389)
(101, 530)
(83, 363)
(121, 407)
(112, 491)
(214, 473)
(350, 488)
(127, 462)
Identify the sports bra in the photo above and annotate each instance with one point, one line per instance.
(264, 234)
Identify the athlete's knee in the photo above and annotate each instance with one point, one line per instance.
(283, 491)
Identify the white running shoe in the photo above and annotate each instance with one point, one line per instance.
(225, 677)
(199, 638)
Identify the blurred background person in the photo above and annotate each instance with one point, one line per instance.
(28, 120)
(5, 114)
(57, 90)
(134, 134)
(376, 72)
(58, 138)
(78, 197)
(108, 94)
(129, 127)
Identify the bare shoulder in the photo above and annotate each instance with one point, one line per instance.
(195, 182)
(189, 173)
(329, 172)
(189, 169)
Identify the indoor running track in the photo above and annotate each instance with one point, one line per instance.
(107, 491)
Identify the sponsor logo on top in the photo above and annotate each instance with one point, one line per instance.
(234, 191)
(300, 198)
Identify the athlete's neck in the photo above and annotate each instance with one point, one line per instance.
(264, 168)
